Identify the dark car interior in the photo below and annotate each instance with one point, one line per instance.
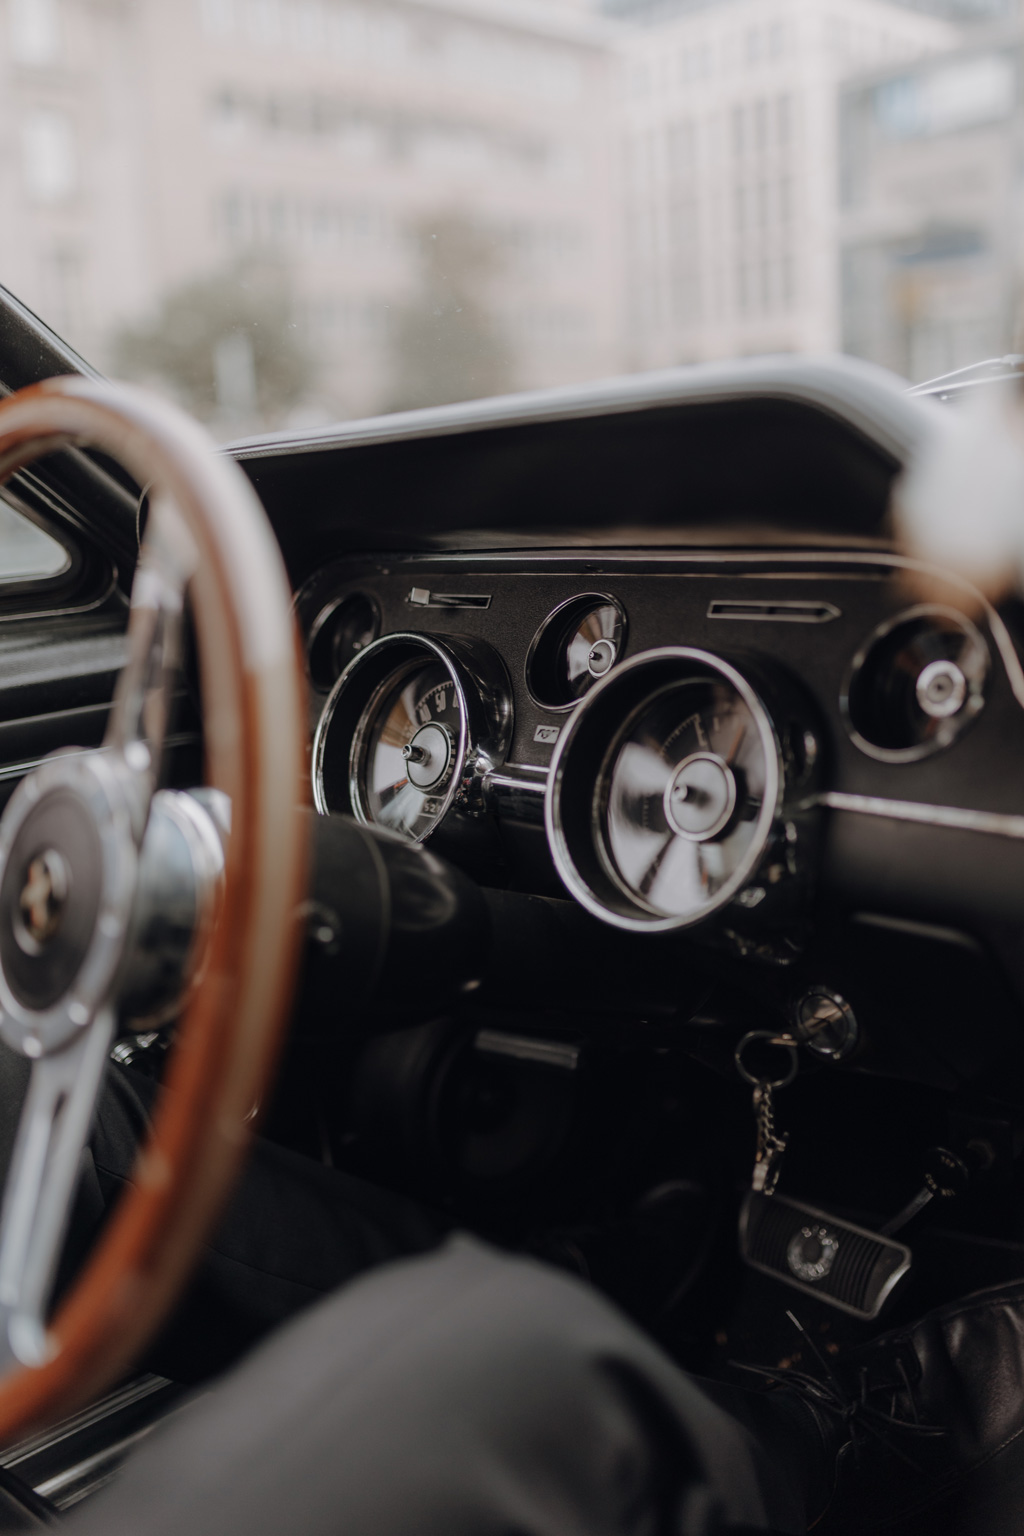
(648, 771)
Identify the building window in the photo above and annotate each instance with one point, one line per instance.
(35, 31)
(49, 155)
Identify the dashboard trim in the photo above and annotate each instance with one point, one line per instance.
(871, 558)
(953, 818)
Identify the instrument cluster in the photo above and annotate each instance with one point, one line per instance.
(674, 732)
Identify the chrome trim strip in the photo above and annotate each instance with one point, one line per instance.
(18, 770)
(65, 1488)
(35, 614)
(957, 819)
(125, 1397)
(515, 776)
(551, 1053)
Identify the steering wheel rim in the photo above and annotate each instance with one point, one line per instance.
(252, 690)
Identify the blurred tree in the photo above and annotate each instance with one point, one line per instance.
(446, 344)
(226, 346)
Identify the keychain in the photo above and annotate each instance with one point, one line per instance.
(770, 1145)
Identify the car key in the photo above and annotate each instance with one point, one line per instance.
(770, 1146)
(946, 1176)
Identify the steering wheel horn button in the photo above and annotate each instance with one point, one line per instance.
(42, 901)
(68, 870)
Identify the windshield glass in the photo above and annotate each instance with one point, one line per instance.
(290, 212)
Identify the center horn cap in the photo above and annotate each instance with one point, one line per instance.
(42, 901)
(68, 869)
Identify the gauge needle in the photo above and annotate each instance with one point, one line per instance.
(654, 868)
(388, 793)
(741, 732)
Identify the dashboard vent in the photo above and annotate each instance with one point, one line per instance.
(778, 610)
(420, 597)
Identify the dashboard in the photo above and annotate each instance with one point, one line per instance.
(676, 740)
(643, 660)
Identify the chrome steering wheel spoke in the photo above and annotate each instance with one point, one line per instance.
(52, 1134)
(75, 889)
(137, 726)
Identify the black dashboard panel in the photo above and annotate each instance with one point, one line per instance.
(805, 615)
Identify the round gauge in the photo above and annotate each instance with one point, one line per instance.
(667, 789)
(916, 684)
(577, 644)
(404, 758)
(338, 633)
(408, 731)
(683, 791)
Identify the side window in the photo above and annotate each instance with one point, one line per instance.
(26, 552)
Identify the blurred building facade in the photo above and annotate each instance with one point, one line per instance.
(962, 11)
(145, 145)
(933, 210)
(729, 117)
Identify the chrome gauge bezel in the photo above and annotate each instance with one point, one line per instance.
(346, 722)
(577, 790)
(954, 725)
(558, 619)
(325, 620)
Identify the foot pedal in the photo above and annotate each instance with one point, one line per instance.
(814, 1252)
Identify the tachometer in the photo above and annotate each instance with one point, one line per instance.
(408, 731)
(672, 793)
(683, 794)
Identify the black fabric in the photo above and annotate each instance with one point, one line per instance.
(961, 1369)
(463, 1391)
(293, 1232)
(463, 1394)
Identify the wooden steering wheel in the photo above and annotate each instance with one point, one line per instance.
(76, 866)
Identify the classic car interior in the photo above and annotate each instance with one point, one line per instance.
(648, 771)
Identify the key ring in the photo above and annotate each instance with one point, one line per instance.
(783, 1043)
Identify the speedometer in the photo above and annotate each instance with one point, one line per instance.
(409, 731)
(675, 793)
(408, 750)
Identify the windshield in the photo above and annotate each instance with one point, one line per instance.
(285, 213)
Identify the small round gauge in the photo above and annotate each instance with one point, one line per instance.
(577, 644)
(916, 684)
(408, 731)
(338, 633)
(671, 794)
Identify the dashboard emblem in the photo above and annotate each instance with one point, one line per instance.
(43, 896)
